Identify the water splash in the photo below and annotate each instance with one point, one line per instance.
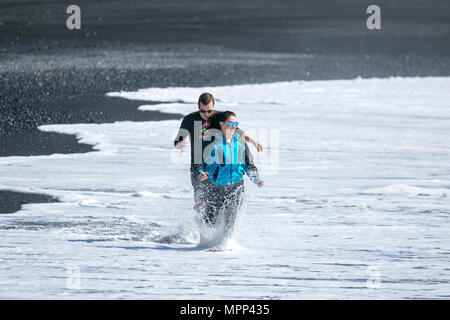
(220, 236)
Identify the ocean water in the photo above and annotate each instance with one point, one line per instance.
(356, 201)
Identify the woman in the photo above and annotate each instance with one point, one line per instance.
(223, 168)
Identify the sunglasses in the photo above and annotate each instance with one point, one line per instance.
(231, 123)
(206, 111)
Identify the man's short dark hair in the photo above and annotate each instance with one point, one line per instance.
(205, 98)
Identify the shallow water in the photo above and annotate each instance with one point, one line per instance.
(355, 203)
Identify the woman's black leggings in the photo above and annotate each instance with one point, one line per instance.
(222, 202)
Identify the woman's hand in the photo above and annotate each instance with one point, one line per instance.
(260, 183)
(203, 175)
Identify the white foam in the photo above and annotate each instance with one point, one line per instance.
(409, 190)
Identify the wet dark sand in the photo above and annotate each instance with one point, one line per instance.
(11, 202)
(49, 74)
(32, 141)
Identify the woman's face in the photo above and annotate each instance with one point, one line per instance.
(225, 126)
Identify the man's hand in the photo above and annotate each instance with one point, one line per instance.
(180, 145)
(203, 175)
(260, 183)
(258, 146)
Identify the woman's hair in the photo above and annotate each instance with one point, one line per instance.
(220, 116)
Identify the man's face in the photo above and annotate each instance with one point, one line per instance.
(206, 110)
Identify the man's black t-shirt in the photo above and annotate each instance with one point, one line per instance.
(195, 126)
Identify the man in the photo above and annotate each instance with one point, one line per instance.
(194, 125)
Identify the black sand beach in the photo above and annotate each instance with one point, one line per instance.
(49, 74)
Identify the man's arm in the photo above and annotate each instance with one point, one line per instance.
(247, 138)
(183, 132)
